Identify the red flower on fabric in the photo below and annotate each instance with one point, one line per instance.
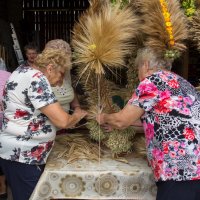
(165, 147)
(173, 84)
(48, 145)
(37, 153)
(161, 107)
(38, 74)
(147, 90)
(34, 126)
(190, 137)
(189, 134)
(181, 152)
(39, 90)
(157, 171)
(149, 132)
(196, 178)
(21, 113)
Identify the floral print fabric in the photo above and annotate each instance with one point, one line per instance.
(27, 135)
(172, 125)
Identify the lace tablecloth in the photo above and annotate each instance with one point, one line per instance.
(105, 179)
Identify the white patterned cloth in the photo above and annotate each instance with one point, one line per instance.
(103, 179)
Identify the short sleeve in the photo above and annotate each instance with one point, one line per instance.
(40, 92)
(145, 96)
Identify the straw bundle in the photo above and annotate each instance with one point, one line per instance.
(120, 141)
(79, 147)
(102, 37)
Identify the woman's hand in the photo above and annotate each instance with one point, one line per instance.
(100, 118)
(107, 127)
(80, 113)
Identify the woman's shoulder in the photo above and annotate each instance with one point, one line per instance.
(22, 69)
(25, 75)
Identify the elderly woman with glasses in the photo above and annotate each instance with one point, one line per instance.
(31, 115)
(168, 106)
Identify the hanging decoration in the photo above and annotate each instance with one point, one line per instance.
(102, 38)
(165, 26)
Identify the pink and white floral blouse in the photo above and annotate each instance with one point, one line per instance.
(172, 125)
(27, 134)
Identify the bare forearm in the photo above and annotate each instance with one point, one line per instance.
(60, 118)
(122, 119)
(115, 120)
(72, 120)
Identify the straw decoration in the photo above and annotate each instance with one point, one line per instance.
(165, 26)
(103, 38)
(78, 147)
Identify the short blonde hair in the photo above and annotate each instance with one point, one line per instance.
(55, 57)
(153, 58)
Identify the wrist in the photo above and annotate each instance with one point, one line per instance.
(78, 116)
(103, 118)
(100, 118)
(76, 106)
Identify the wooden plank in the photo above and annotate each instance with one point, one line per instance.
(53, 18)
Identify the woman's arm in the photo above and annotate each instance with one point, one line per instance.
(75, 103)
(60, 118)
(122, 119)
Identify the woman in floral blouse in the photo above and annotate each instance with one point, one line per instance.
(169, 108)
(31, 113)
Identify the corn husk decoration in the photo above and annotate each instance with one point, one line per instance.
(102, 38)
(101, 41)
(165, 26)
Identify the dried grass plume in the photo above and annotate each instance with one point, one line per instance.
(165, 26)
(103, 36)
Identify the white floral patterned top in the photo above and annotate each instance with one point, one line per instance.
(27, 134)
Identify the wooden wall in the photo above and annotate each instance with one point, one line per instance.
(50, 19)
